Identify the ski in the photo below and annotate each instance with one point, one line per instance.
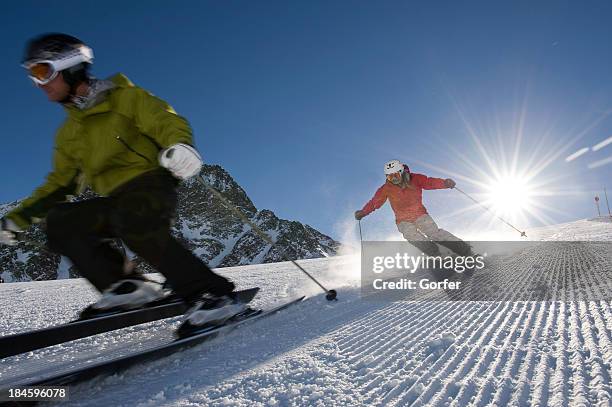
(16, 344)
(122, 363)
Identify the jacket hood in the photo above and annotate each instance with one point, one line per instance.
(121, 81)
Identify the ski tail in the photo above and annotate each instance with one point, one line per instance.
(16, 344)
(118, 364)
(11, 345)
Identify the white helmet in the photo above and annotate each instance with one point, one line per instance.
(394, 166)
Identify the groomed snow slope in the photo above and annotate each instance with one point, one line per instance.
(352, 352)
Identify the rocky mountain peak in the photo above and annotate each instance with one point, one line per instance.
(203, 223)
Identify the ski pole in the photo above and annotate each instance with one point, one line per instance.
(607, 204)
(360, 236)
(330, 294)
(489, 210)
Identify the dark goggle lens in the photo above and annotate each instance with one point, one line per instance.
(42, 71)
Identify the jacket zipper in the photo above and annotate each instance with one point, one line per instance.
(131, 149)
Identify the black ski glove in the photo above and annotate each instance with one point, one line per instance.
(359, 215)
(449, 183)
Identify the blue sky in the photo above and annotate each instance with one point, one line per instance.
(304, 101)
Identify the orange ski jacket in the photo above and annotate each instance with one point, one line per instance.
(407, 201)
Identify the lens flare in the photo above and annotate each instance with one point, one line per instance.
(515, 168)
(508, 196)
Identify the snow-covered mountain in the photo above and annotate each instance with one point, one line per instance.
(203, 223)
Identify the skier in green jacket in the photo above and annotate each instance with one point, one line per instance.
(132, 149)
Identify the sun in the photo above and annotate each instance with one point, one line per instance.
(514, 173)
(509, 195)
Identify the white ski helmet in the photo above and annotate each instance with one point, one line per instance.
(394, 166)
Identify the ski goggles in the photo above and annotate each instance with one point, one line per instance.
(42, 72)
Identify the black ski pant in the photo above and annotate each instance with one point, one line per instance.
(140, 213)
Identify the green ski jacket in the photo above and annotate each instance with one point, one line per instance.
(105, 146)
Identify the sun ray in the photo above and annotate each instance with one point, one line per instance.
(519, 136)
(515, 164)
(470, 129)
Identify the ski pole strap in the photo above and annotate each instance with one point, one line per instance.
(254, 227)
(494, 214)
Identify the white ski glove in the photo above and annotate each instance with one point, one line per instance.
(8, 230)
(182, 160)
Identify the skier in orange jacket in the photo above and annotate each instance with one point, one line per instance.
(404, 190)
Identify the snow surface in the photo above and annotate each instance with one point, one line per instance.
(353, 352)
